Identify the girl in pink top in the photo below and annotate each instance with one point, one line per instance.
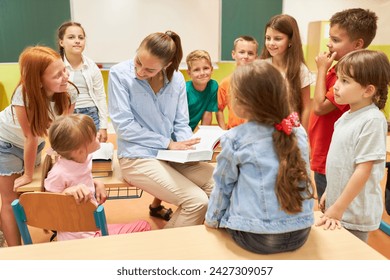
(73, 139)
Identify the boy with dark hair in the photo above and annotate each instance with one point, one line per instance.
(350, 30)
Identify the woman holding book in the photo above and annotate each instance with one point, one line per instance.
(148, 108)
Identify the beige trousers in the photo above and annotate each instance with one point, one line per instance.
(188, 186)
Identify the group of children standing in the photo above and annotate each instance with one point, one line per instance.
(261, 189)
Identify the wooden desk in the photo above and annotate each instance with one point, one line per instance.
(117, 188)
(191, 243)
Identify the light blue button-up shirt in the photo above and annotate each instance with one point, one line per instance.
(146, 122)
(244, 195)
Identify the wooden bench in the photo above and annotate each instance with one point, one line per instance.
(192, 243)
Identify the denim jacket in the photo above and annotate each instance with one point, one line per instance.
(244, 194)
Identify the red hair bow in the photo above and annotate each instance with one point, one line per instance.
(287, 124)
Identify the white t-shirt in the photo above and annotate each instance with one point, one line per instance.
(10, 129)
(358, 137)
(305, 75)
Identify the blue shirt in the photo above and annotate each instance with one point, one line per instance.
(244, 195)
(146, 122)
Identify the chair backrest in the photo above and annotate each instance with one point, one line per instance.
(56, 211)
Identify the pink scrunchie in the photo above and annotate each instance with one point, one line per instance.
(287, 124)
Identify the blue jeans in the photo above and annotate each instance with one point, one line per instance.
(12, 158)
(320, 180)
(270, 243)
(362, 235)
(90, 111)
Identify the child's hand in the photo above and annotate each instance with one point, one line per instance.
(102, 135)
(328, 223)
(21, 181)
(324, 61)
(80, 193)
(331, 219)
(100, 192)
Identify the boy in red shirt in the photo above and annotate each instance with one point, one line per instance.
(350, 30)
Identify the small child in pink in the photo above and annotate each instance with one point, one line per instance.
(73, 139)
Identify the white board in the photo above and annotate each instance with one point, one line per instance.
(115, 28)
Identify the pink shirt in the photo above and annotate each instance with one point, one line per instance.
(67, 173)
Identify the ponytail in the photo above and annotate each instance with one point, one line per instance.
(167, 47)
(178, 55)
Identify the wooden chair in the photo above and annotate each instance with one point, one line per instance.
(58, 212)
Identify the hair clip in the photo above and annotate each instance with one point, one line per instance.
(287, 124)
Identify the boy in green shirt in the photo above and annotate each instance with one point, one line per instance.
(201, 89)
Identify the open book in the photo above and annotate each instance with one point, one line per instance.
(209, 139)
(102, 158)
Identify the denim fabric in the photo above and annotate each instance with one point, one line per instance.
(244, 195)
(11, 158)
(270, 243)
(320, 180)
(90, 111)
(362, 235)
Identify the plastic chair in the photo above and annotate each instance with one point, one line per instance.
(58, 212)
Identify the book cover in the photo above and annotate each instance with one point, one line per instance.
(209, 139)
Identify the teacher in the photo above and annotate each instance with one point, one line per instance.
(148, 108)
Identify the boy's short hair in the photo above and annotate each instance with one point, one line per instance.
(196, 55)
(358, 23)
(245, 38)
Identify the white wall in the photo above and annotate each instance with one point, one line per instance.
(115, 28)
(305, 11)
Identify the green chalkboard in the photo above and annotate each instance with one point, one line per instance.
(245, 17)
(29, 22)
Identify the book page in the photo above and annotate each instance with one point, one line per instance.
(106, 152)
(209, 136)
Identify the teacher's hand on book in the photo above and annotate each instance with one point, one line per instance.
(183, 145)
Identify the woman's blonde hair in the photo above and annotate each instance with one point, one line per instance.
(261, 90)
(67, 134)
(33, 62)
